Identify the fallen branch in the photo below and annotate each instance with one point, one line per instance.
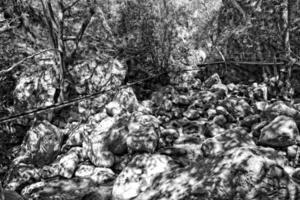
(241, 63)
(256, 63)
(21, 61)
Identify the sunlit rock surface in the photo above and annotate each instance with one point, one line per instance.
(197, 143)
(212, 80)
(280, 108)
(114, 108)
(281, 132)
(143, 133)
(105, 140)
(221, 143)
(97, 174)
(139, 175)
(92, 75)
(219, 89)
(127, 99)
(42, 144)
(67, 189)
(21, 175)
(36, 88)
(255, 173)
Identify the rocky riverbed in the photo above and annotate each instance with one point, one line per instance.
(190, 140)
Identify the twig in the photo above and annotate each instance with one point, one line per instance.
(21, 61)
(255, 63)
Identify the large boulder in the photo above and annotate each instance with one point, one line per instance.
(91, 75)
(65, 164)
(250, 120)
(192, 114)
(237, 106)
(114, 108)
(42, 144)
(258, 92)
(280, 108)
(139, 175)
(212, 80)
(168, 135)
(260, 106)
(232, 167)
(90, 107)
(105, 140)
(239, 173)
(36, 88)
(22, 175)
(143, 134)
(281, 132)
(126, 97)
(97, 174)
(181, 100)
(208, 97)
(230, 139)
(75, 133)
(213, 129)
(186, 150)
(185, 78)
(220, 90)
(242, 108)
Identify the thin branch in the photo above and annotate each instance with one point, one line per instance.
(255, 63)
(21, 61)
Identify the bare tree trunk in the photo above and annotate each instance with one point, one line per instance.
(56, 28)
(286, 16)
(286, 26)
(62, 52)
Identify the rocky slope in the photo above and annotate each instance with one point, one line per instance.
(191, 140)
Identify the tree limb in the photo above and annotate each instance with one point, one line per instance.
(21, 61)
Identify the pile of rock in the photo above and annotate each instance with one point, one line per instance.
(210, 141)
